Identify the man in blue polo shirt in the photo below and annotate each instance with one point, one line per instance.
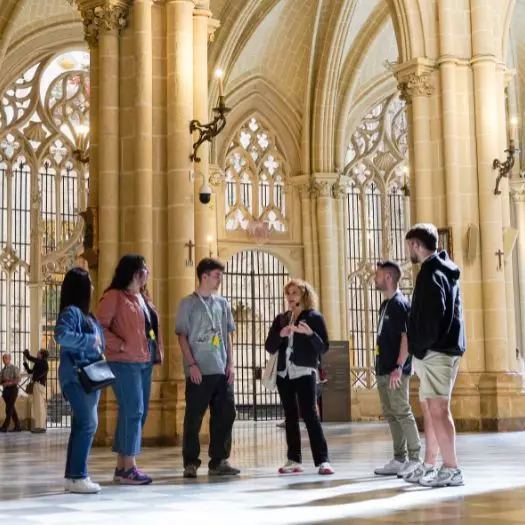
(393, 370)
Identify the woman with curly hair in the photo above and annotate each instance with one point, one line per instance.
(299, 336)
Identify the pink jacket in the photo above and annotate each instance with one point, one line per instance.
(122, 318)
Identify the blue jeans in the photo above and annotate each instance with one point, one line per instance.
(132, 389)
(84, 424)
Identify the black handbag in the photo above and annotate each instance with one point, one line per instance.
(95, 376)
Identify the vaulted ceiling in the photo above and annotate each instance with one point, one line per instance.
(283, 42)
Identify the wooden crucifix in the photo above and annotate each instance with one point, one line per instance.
(190, 245)
(499, 254)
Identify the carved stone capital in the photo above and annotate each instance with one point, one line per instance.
(305, 190)
(213, 25)
(413, 78)
(323, 189)
(109, 15)
(416, 86)
(323, 184)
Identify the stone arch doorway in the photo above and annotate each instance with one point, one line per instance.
(253, 283)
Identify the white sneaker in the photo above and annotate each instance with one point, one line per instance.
(291, 467)
(390, 469)
(82, 486)
(325, 469)
(407, 468)
(444, 477)
(421, 470)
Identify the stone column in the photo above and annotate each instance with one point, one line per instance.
(486, 98)
(181, 267)
(328, 270)
(315, 239)
(35, 276)
(415, 86)
(102, 24)
(340, 205)
(103, 21)
(205, 214)
(94, 131)
(305, 192)
(506, 220)
(143, 176)
(518, 198)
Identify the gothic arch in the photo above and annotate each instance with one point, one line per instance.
(33, 47)
(413, 38)
(354, 111)
(248, 100)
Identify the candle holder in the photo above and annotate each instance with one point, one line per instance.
(504, 167)
(207, 132)
(81, 152)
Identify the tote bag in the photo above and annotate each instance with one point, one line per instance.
(269, 376)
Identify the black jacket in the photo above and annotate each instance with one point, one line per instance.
(39, 371)
(436, 317)
(306, 349)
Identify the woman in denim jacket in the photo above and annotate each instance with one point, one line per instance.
(81, 340)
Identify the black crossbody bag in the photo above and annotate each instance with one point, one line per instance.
(97, 375)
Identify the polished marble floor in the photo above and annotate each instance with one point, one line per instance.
(31, 484)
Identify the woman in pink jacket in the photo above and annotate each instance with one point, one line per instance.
(133, 346)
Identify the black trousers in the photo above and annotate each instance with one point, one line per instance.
(300, 394)
(9, 396)
(214, 392)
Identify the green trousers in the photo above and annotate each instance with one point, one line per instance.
(397, 411)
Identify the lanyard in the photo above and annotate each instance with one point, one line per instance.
(208, 311)
(381, 319)
(382, 316)
(144, 307)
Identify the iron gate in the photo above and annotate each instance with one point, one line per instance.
(253, 283)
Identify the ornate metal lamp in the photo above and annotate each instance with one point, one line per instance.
(505, 167)
(207, 132)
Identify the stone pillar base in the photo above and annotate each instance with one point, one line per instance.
(482, 402)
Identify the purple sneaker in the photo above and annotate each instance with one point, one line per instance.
(134, 476)
(119, 474)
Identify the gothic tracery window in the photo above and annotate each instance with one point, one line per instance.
(377, 217)
(44, 119)
(255, 179)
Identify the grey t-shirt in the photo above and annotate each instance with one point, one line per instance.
(193, 321)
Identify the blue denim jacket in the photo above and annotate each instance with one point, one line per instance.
(76, 336)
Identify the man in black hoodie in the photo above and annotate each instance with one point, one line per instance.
(436, 340)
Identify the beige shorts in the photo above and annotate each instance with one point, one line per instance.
(437, 374)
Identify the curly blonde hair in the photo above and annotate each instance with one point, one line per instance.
(309, 296)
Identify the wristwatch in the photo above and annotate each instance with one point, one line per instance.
(400, 367)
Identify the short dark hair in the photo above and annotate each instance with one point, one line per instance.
(76, 290)
(45, 354)
(207, 265)
(426, 234)
(393, 268)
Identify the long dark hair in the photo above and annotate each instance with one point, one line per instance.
(76, 290)
(127, 267)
